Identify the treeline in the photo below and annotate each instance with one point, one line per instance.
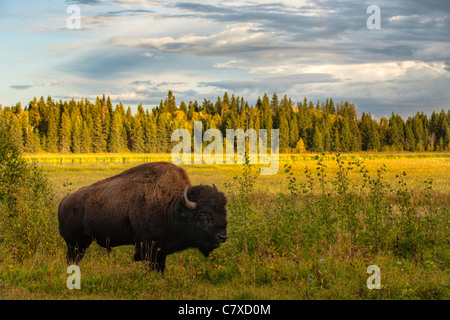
(46, 125)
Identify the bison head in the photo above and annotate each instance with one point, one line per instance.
(203, 215)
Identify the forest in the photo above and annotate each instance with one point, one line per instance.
(56, 126)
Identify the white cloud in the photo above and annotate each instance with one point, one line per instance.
(141, 88)
(51, 83)
(234, 38)
(379, 72)
(433, 51)
(397, 18)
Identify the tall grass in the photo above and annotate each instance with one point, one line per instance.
(311, 236)
(371, 216)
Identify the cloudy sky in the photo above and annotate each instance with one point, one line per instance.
(137, 50)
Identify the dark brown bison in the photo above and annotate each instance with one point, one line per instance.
(151, 206)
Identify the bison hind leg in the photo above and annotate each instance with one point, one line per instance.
(77, 249)
(152, 256)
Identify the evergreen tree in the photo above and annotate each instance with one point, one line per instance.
(317, 142)
(52, 133)
(86, 138)
(107, 111)
(345, 135)
(65, 132)
(116, 142)
(443, 131)
(150, 134)
(76, 133)
(137, 133)
(396, 132)
(375, 141)
(225, 104)
(183, 107)
(82, 126)
(410, 140)
(331, 109)
(191, 110)
(293, 130)
(274, 103)
(170, 104)
(162, 141)
(418, 130)
(284, 131)
(128, 120)
(266, 118)
(384, 133)
(300, 146)
(98, 137)
(33, 114)
(365, 127)
(336, 140)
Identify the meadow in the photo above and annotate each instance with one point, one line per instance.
(308, 232)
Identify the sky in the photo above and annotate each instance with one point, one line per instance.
(135, 51)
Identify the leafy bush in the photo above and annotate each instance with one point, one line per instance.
(370, 215)
(243, 218)
(27, 215)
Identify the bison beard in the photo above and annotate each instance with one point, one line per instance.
(151, 206)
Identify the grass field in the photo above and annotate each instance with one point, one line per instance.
(82, 170)
(311, 237)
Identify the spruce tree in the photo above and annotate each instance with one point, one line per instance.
(116, 142)
(443, 131)
(98, 137)
(345, 135)
(137, 134)
(410, 141)
(161, 135)
(76, 133)
(300, 146)
(86, 137)
(52, 133)
(149, 134)
(418, 130)
(183, 107)
(317, 141)
(170, 104)
(284, 131)
(65, 132)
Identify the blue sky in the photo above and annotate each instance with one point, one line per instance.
(137, 50)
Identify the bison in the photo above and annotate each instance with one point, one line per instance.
(151, 206)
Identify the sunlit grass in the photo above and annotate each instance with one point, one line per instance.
(331, 271)
(75, 171)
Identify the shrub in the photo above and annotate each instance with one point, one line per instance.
(27, 215)
(368, 215)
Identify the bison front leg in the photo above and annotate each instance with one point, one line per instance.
(152, 255)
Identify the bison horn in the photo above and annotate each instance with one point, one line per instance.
(188, 204)
(214, 186)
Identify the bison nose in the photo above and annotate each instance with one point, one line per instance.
(222, 237)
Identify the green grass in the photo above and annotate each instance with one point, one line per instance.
(71, 174)
(278, 246)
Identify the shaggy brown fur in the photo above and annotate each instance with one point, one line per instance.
(143, 206)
